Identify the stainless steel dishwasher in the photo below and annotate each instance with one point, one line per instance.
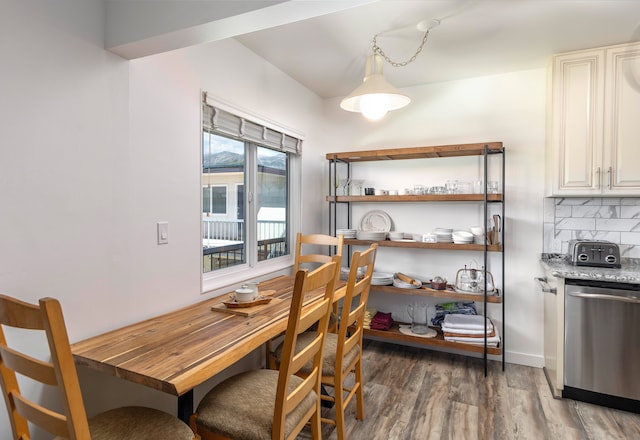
(602, 343)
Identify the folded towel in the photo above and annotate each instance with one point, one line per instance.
(467, 322)
(492, 341)
(381, 321)
(368, 316)
(468, 332)
(471, 333)
(460, 307)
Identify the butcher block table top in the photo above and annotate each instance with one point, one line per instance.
(179, 350)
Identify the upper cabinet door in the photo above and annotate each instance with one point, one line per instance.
(622, 121)
(576, 123)
(594, 130)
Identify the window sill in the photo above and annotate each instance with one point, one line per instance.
(230, 279)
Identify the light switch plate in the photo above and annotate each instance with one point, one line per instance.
(163, 232)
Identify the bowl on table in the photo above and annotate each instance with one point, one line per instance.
(245, 294)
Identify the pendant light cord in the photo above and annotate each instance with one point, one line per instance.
(378, 50)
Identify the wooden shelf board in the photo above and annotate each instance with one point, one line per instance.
(419, 198)
(421, 245)
(417, 152)
(394, 334)
(426, 291)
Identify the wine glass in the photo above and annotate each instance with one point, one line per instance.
(358, 184)
(342, 183)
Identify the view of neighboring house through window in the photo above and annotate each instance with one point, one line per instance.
(245, 194)
(214, 199)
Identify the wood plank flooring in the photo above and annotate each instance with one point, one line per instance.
(418, 394)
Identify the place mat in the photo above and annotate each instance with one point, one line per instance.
(406, 330)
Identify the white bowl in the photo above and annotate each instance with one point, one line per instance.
(462, 235)
(245, 295)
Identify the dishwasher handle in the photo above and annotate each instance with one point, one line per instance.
(621, 298)
(545, 286)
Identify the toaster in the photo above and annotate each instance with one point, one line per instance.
(595, 253)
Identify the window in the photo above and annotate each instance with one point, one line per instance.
(246, 192)
(214, 199)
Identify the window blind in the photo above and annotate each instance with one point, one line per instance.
(221, 121)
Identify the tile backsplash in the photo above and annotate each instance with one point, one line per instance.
(598, 218)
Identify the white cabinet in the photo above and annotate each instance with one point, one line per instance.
(553, 291)
(594, 130)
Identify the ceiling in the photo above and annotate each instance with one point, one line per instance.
(327, 53)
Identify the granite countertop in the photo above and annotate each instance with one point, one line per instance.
(561, 267)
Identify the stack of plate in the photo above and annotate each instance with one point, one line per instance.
(396, 236)
(397, 282)
(344, 273)
(371, 235)
(381, 279)
(348, 233)
(443, 235)
(462, 237)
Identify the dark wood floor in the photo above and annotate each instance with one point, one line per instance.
(418, 394)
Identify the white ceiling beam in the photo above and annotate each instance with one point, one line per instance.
(139, 28)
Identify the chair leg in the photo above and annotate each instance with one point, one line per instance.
(339, 401)
(359, 391)
(269, 361)
(316, 428)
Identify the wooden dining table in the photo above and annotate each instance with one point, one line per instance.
(179, 350)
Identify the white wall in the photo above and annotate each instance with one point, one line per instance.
(508, 108)
(95, 150)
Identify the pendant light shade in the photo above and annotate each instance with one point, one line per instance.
(375, 96)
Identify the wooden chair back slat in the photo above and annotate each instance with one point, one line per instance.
(26, 365)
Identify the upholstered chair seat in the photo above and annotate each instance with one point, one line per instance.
(242, 406)
(137, 423)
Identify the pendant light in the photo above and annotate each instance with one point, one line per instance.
(375, 97)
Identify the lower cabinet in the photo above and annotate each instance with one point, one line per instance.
(552, 289)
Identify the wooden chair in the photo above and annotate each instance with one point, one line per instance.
(274, 404)
(130, 423)
(343, 351)
(312, 260)
(302, 259)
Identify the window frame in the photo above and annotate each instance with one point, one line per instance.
(211, 212)
(253, 269)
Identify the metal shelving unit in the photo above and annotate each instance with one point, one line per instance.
(431, 152)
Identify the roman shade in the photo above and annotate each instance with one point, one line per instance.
(217, 120)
